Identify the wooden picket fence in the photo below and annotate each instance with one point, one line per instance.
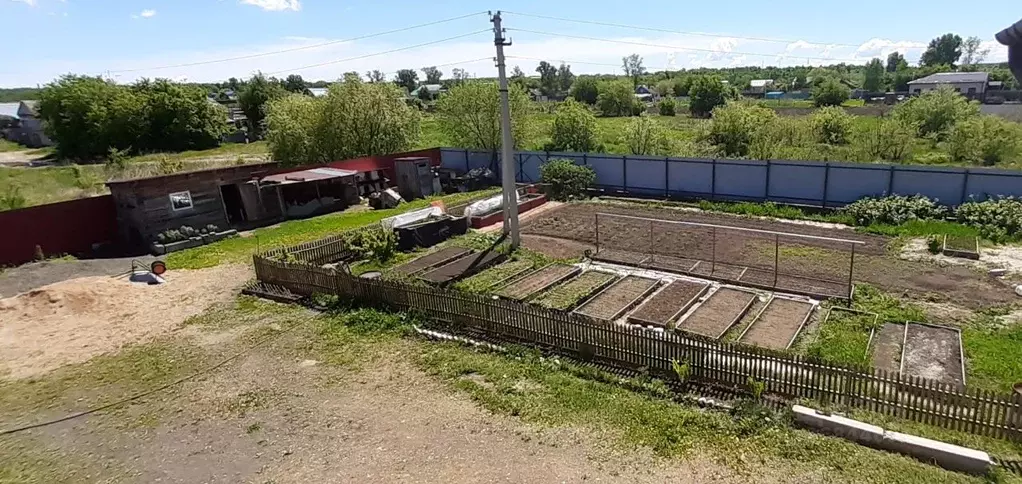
(640, 349)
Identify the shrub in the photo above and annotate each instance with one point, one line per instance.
(934, 244)
(936, 112)
(667, 106)
(373, 244)
(783, 138)
(584, 90)
(566, 179)
(706, 93)
(574, 129)
(646, 136)
(830, 92)
(997, 218)
(984, 140)
(886, 140)
(893, 210)
(734, 127)
(12, 198)
(831, 125)
(616, 98)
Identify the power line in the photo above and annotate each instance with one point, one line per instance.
(295, 49)
(654, 29)
(456, 63)
(675, 47)
(568, 61)
(365, 56)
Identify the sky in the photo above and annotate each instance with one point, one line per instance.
(201, 40)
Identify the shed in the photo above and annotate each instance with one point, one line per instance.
(973, 84)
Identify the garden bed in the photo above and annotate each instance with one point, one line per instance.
(433, 259)
(526, 202)
(613, 301)
(961, 246)
(718, 313)
(670, 302)
(495, 276)
(463, 267)
(845, 336)
(778, 324)
(569, 294)
(538, 281)
(933, 352)
(886, 345)
(623, 257)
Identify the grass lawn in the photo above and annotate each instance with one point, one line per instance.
(224, 150)
(240, 249)
(843, 338)
(50, 184)
(6, 146)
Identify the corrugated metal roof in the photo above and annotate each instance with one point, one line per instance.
(318, 91)
(9, 110)
(302, 176)
(952, 77)
(760, 82)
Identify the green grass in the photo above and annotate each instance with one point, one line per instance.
(240, 249)
(6, 146)
(485, 280)
(224, 150)
(568, 294)
(992, 353)
(843, 338)
(50, 184)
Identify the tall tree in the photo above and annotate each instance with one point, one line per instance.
(564, 78)
(973, 53)
(432, 74)
(294, 83)
(470, 115)
(633, 68)
(351, 76)
(407, 78)
(253, 98)
(895, 61)
(874, 76)
(234, 84)
(548, 81)
(946, 50)
(585, 90)
(458, 76)
(375, 76)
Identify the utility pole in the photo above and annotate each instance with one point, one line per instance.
(506, 144)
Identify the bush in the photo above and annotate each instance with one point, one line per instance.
(646, 136)
(886, 140)
(830, 92)
(574, 129)
(936, 112)
(893, 210)
(735, 126)
(831, 125)
(997, 219)
(784, 138)
(584, 90)
(616, 98)
(12, 198)
(706, 93)
(984, 140)
(566, 180)
(374, 244)
(935, 244)
(667, 107)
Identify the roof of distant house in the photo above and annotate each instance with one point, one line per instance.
(9, 110)
(952, 77)
(319, 91)
(432, 88)
(28, 108)
(760, 82)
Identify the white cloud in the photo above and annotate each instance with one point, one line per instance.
(30, 3)
(721, 47)
(275, 5)
(147, 13)
(883, 47)
(798, 45)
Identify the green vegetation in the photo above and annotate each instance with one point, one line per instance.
(6, 146)
(830, 92)
(647, 137)
(707, 93)
(469, 116)
(616, 98)
(238, 249)
(568, 294)
(574, 129)
(991, 348)
(893, 210)
(489, 278)
(566, 179)
(843, 338)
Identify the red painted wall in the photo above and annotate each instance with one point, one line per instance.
(59, 228)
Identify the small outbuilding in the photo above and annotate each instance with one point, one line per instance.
(970, 84)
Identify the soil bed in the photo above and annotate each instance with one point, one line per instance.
(495, 276)
(463, 267)
(537, 281)
(608, 304)
(933, 352)
(887, 347)
(433, 259)
(567, 295)
(778, 324)
(621, 257)
(718, 313)
(667, 304)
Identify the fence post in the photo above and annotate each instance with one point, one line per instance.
(713, 179)
(585, 159)
(624, 172)
(890, 181)
(597, 232)
(965, 186)
(777, 256)
(766, 182)
(851, 269)
(713, 257)
(667, 176)
(467, 167)
(826, 182)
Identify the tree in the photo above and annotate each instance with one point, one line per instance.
(176, 117)
(469, 115)
(646, 136)
(616, 98)
(667, 106)
(973, 53)
(574, 128)
(874, 76)
(682, 85)
(664, 88)
(584, 90)
(945, 49)
(633, 68)
(830, 92)
(895, 61)
(459, 76)
(548, 81)
(899, 79)
(375, 76)
(518, 78)
(706, 93)
(253, 98)
(565, 78)
(294, 83)
(424, 94)
(355, 119)
(432, 74)
(351, 76)
(984, 140)
(407, 78)
(735, 125)
(936, 112)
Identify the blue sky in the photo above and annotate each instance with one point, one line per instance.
(133, 38)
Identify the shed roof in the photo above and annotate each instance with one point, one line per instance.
(9, 110)
(302, 176)
(760, 82)
(952, 77)
(319, 91)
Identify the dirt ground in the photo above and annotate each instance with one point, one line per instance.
(886, 347)
(778, 324)
(537, 281)
(670, 301)
(26, 277)
(718, 312)
(821, 260)
(933, 353)
(616, 298)
(77, 319)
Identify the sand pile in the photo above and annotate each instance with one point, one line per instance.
(74, 320)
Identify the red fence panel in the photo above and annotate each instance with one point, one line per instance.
(58, 228)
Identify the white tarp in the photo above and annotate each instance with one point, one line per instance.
(487, 205)
(407, 218)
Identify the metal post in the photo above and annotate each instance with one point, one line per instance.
(597, 232)
(713, 257)
(777, 253)
(506, 143)
(851, 268)
(651, 239)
